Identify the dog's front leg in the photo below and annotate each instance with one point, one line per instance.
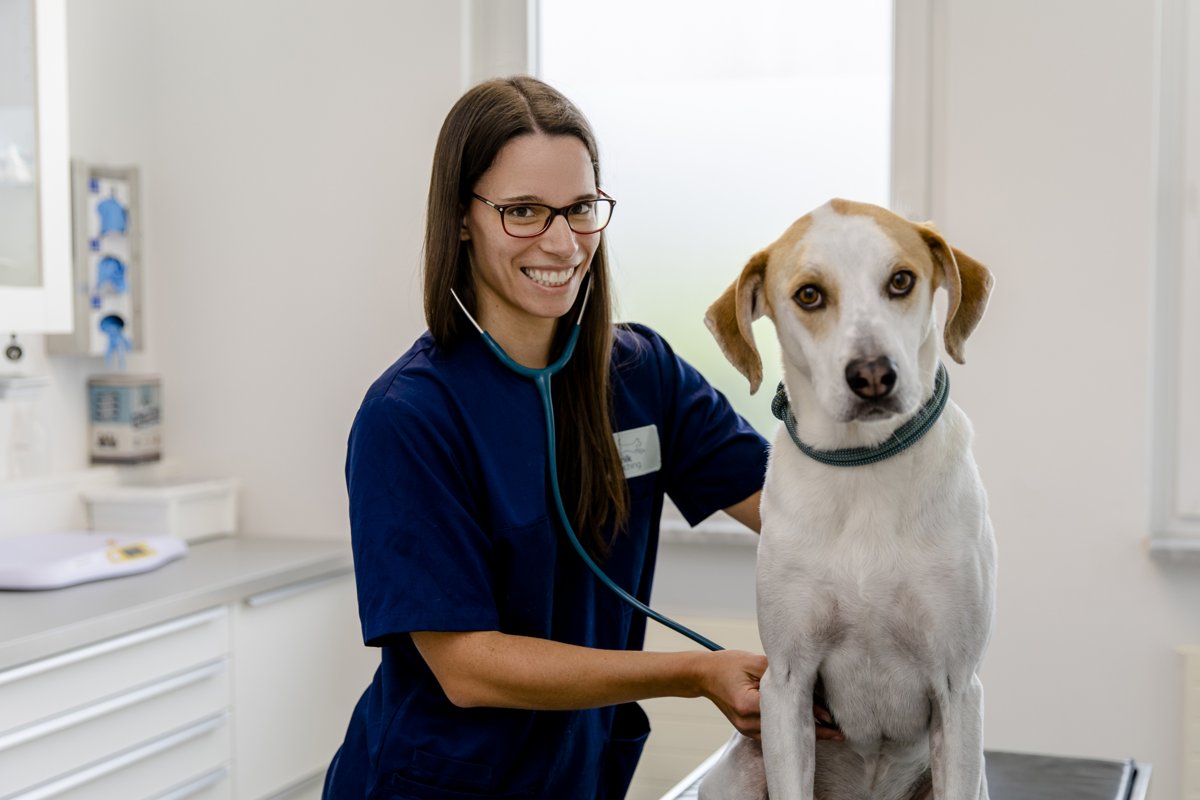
(788, 730)
(956, 742)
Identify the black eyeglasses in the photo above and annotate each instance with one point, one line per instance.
(526, 220)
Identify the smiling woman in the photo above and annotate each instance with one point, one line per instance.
(507, 665)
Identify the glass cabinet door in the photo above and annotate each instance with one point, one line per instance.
(19, 262)
(35, 214)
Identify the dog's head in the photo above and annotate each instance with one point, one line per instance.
(850, 289)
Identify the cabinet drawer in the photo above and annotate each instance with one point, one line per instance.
(300, 666)
(47, 749)
(57, 684)
(188, 764)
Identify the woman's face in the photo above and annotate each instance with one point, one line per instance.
(524, 285)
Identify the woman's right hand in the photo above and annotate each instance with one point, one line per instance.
(730, 680)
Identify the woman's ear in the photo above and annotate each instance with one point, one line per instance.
(464, 235)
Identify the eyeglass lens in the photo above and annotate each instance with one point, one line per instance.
(530, 219)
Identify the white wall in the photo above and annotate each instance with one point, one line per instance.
(284, 149)
(1044, 133)
(292, 172)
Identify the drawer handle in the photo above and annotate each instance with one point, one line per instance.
(302, 787)
(109, 645)
(99, 709)
(292, 589)
(89, 774)
(195, 787)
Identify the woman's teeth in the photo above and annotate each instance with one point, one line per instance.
(549, 277)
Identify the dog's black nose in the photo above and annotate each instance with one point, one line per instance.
(871, 378)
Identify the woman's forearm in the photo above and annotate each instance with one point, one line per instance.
(488, 668)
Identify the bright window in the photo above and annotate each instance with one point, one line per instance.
(719, 124)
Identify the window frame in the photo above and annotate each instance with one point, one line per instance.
(1175, 533)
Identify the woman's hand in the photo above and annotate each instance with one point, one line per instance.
(731, 681)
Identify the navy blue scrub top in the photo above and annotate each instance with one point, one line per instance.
(453, 530)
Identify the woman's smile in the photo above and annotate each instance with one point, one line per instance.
(550, 278)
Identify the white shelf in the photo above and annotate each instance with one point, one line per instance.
(22, 387)
(1175, 549)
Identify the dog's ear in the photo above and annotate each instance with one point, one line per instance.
(968, 283)
(730, 318)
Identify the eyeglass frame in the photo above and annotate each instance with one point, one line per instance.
(554, 212)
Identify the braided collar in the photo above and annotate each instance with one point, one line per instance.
(904, 437)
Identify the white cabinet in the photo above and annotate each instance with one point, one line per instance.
(35, 191)
(299, 668)
(144, 714)
(248, 699)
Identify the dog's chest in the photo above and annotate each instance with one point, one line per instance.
(920, 507)
(884, 560)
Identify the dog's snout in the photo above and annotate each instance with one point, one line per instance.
(871, 378)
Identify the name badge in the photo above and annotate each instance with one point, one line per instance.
(640, 451)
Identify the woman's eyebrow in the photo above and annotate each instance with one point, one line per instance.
(533, 198)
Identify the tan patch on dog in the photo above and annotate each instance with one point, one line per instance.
(819, 321)
(904, 233)
(968, 282)
(730, 318)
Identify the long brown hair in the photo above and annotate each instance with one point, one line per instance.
(477, 127)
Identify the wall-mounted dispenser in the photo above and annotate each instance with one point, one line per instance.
(108, 265)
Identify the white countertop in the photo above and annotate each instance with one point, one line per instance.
(37, 624)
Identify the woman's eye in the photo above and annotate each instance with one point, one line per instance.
(809, 297)
(901, 283)
(521, 212)
(582, 208)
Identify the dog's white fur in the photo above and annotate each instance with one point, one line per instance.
(875, 581)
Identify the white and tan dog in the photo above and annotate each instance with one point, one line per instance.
(875, 581)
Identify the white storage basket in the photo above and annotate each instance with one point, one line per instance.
(186, 509)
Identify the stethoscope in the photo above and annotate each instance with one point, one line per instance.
(541, 379)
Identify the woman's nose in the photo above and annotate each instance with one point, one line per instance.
(559, 238)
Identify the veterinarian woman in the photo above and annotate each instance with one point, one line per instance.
(507, 669)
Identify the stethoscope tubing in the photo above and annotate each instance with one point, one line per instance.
(541, 379)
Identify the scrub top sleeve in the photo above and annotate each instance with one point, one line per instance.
(714, 458)
(420, 554)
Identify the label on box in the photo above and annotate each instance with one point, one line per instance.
(125, 419)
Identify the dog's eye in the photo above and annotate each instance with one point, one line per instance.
(809, 297)
(901, 283)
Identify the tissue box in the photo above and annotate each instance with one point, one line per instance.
(186, 509)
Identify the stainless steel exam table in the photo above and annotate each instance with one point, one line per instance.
(1019, 776)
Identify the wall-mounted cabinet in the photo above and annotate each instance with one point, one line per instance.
(35, 191)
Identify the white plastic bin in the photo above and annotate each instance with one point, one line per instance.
(186, 509)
